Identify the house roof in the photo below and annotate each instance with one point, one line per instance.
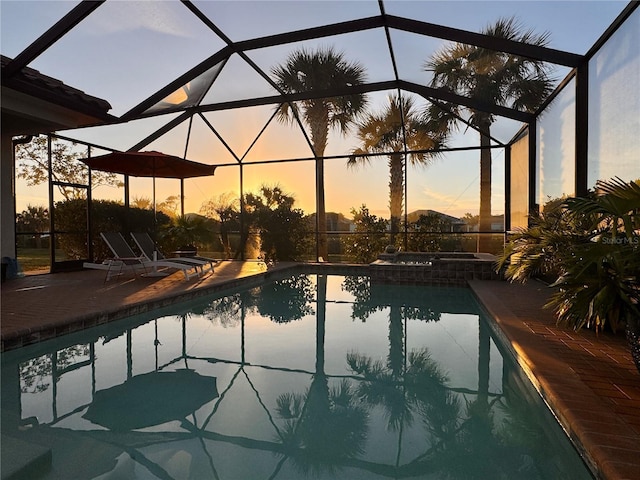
(34, 103)
(417, 213)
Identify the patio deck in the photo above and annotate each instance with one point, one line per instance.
(589, 380)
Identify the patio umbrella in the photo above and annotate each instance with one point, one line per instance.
(151, 399)
(149, 164)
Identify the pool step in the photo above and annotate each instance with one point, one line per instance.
(23, 460)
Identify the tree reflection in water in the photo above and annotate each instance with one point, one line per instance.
(226, 311)
(35, 373)
(461, 439)
(285, 300)
(412, 387)
(396, 385)
(325, 425)
(419, 390)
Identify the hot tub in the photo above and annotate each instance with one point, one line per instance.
(433, 268)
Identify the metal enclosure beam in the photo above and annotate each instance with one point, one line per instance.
(582, 129)
(48, 38)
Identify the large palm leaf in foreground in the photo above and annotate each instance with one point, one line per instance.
(540, 249)
(594, 248)
(602, 279)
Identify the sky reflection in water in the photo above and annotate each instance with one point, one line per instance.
(305, 377)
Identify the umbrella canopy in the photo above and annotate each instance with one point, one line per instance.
(149, 164)
(151, 399)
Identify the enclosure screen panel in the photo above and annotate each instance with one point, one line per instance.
(556, 149)
(519, 178)
(614, 106)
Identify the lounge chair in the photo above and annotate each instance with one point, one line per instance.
(151, 251)
(124, 256)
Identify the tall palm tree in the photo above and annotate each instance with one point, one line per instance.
(386, 132)
(323, 69)
(493, 78)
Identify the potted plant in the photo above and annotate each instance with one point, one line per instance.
(594, 249)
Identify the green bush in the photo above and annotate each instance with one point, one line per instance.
(369, 238)
(106, 216)
(429, 233)
(283, 229)
(190, 230)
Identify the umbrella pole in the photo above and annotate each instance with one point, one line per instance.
(154, 272)
(155, 212)
(182, 197)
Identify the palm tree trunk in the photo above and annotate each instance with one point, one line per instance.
(321, 214)
(395, 359)
(319, 123)
(396, 192)
(484, 240)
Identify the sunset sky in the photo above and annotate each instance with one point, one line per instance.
(125, 51)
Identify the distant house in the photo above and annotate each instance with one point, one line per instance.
(336, 222)
(497, 224)
(457, 224)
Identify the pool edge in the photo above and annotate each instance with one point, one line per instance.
(570, 400)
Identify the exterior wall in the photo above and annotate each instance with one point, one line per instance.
(7, 206)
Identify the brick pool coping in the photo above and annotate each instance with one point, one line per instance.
(588, 380)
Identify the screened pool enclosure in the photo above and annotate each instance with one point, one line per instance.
(207, 81)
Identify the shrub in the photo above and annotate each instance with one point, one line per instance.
(369, 239)
(106, 216)
(283, 230)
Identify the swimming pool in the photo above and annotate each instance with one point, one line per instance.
(308, 376)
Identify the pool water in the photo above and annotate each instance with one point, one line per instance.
(309, 376)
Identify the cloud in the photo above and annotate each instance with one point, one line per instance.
(449, 203)
(458, 204)
(160, 17)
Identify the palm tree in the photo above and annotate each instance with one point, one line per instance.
(324, 69)
(387, 132)
(493, 78)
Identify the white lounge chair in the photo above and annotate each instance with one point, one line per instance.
(151, 251)
(124, 256)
